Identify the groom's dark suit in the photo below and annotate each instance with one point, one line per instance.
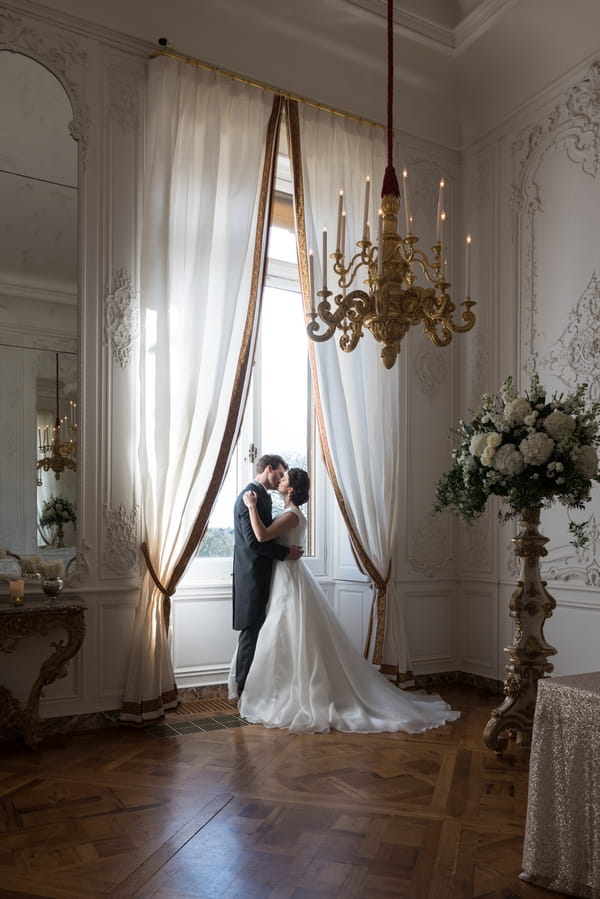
(252, 568)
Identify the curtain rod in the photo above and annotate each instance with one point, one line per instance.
(189, 60)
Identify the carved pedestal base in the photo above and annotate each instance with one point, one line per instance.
(530, 605)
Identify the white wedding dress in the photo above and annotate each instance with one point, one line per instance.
(308, 677)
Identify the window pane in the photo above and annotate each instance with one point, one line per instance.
(218, 539)
(284, 381)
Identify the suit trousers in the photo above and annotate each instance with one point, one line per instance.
(245, 651)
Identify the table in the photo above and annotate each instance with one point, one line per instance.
(38, 617)
(562, 833)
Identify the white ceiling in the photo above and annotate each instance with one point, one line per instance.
(444, 22)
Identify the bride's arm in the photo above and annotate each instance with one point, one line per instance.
(262, 532)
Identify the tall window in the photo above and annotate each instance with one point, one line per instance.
(279, 415)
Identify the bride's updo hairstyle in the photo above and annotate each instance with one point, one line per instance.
(300, 482)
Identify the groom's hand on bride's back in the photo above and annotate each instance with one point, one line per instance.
(295, 553)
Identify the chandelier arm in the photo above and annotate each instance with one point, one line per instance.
(468, 317)
(431, 329)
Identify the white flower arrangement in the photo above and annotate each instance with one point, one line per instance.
(52, 569)
(57, 510)
(34, 567)
(529, 450)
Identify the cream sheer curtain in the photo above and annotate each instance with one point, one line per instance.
(209, 173)
(359, 403)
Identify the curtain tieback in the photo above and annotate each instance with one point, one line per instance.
(378, 602)
(166, 591)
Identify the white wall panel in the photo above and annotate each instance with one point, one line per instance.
(480, 629)
(429, 628)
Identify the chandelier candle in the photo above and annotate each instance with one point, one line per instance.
(407, 214)
(440, 212)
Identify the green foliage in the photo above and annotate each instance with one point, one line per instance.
(528, 450)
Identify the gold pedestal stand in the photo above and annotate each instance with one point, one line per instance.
(530, 605)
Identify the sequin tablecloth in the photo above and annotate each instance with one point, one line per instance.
(562, 833)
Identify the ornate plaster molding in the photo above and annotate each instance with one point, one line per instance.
(573, 126)
(428, 548)
(569, 563)
(431, 370)
(125, 101)
(574, 356)
(121, 553)
(121, 318)
(61, 54)
(476, 545)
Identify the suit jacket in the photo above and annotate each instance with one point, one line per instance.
(252, 561)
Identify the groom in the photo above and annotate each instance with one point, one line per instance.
(253, 563)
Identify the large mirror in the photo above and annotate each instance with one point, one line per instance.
(38, 313)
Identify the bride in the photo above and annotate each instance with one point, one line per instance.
(306, 674)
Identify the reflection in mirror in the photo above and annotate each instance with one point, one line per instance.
(38, 311)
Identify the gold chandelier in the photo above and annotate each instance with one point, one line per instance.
(392, 302)
(57, 451)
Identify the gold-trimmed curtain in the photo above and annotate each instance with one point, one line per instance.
(210, 161)
(359, 403)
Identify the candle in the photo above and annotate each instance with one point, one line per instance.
(468, 266)
(16, 590)
(366, 215)
(311, 280)
(40, 437)
(338, 241)
(380, 244)
(407, 204)
(343, 246)
(441, 238)
(440, 209)
(324, 259)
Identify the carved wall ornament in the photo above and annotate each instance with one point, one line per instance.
(431, 369)
(121, 552)
(573, 127)
(573, 124)
(569, 563)
(125, 101)
(575, 356)
(62, 55)
(121, 318)
(428, 548)
(476, 544)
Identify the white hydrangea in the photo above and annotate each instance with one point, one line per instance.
(508, 460)
(517, 411)
(477, 444)
(585, 460)
(536, 448)
(559, 425)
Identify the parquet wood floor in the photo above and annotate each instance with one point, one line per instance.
(249, 813)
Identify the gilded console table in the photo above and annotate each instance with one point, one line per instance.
(38, 617)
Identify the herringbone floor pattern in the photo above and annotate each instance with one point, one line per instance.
(248, 813)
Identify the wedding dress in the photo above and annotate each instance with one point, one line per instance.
(306, 674)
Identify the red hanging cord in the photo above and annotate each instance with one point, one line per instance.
(390, 181)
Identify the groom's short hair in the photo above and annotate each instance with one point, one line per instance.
(273, 461)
